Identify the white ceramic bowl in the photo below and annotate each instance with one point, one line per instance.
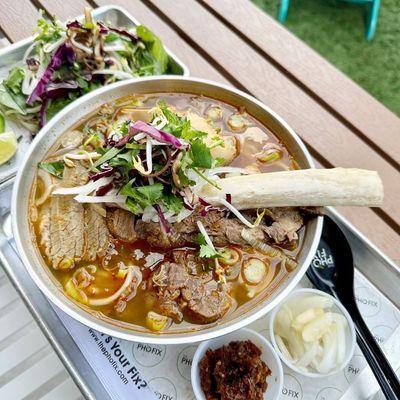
(338, 308)
(268, 355)
(79, 110)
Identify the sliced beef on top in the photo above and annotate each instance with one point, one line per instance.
(96, 234)
(179, 291)
(221, 230)
(286, 221)
(121, 224)
(62, 223)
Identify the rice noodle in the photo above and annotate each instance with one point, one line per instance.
(107, 300)
(48, 186)
(84, 189)
(235, 211)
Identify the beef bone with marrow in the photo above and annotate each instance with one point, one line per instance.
(308, 187)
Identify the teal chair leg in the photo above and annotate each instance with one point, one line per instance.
(372, 19)
(283, 10)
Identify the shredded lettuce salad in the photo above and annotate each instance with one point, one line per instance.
(66, 61)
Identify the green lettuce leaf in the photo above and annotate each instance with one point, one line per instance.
(155, 47)
(14, 80)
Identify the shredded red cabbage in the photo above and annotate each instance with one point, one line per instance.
(161, 136)
(163, 222)
(102, 28)
(63, 53)
(107, 172)
(187, 204)
(75, 25)
(228, 198)
(203, 202)
(60, 89)
(157, 134)
(101, 191)
(123, 32)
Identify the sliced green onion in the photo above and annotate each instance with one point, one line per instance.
(107, 156)
(210, 181)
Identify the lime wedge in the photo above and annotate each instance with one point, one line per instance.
(8, 146)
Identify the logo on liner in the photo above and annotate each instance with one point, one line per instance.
(148, 355)
(292, 388)
(184, 361)
(322, 259)
(355, 366)
(163, 388)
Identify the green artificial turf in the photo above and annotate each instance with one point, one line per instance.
(335, 29)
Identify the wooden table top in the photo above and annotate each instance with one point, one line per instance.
(236, 43)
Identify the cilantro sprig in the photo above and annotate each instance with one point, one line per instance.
(206, 251)
(55, 168)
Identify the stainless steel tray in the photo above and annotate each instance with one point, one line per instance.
(12, 55)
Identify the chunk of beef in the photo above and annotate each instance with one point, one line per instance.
(179, 292)
(121, 224)
(286, 221)
(280, 225)
(195, 265)
(203, 305)
(62, 223)
(221, 230)
(96, 233)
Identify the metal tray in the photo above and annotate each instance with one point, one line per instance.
(13, 54)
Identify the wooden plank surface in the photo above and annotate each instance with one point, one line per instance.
(198, 66)
(325, 135)
(63, 9)
(18, 18)
(370, 118)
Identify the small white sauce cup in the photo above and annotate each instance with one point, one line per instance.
(268, 355)
(337, 307)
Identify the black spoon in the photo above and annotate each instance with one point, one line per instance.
(336, 277)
